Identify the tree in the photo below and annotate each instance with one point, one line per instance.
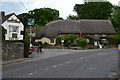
(42, 15)
(94, 10)
(82, 43)
(71, 17)
(116, 18)
(117, 38)
(22, 17)
(26, 47)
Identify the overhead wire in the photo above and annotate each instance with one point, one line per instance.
(23, 5)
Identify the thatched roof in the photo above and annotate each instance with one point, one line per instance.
(82, 26)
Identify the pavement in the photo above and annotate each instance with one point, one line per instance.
(69, 64)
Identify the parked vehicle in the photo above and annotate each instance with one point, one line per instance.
(31, 49)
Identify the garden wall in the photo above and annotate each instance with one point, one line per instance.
(12, 50)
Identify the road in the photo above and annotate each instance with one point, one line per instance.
(101, 63)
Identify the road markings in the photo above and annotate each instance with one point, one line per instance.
(100, 53)
(46, 69)
(30, 74)
(60, 64)
(54, 66)
(67, 62)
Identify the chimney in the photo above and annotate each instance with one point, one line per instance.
(2, 14)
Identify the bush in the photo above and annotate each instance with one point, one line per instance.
(110, 40)
(117, 39)
(46, 44)
(91, 40)
(69, 39)
(58, 40)
(82, 43)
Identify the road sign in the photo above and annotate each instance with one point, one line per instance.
(62, 40)
(31, 22)
(118, 46)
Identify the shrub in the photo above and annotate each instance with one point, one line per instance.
(91, 40)
(46, 44)
(58, 40)
(82, 43)
(69, 39)
(109, 40)
(117, 39)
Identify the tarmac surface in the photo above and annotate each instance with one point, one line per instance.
(58, 63)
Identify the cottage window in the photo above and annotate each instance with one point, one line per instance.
(51, 40)
(14, 35)
(13, 28)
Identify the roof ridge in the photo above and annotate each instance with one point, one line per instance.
(9, 14)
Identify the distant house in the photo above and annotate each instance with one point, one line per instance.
(95, 28)
(13, 26)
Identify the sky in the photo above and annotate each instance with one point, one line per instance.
(65, 7)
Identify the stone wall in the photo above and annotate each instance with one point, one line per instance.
(12, 50)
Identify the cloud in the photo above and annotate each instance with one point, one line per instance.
(65, 7)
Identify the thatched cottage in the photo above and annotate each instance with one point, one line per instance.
(80, 27)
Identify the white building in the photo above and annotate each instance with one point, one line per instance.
(13, 26)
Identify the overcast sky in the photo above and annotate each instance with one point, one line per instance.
(65, 7)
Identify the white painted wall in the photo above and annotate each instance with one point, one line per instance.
(43, 40)
(20, 28)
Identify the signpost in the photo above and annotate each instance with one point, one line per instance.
(31, 22)
(62, 40)
(119, 60)
(118, 47)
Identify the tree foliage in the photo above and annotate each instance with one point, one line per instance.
(94, 10)
(117, 38)
(82, 43)
(42, 16)
(116, 18)
(71, 17)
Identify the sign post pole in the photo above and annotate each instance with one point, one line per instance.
(62, 40)
(31, 22)
(118, 60)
